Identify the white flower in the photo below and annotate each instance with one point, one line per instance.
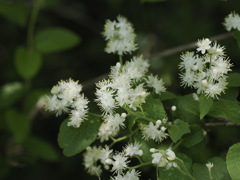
(154, 132)
(203, 45)
(206, 73)
(106, 155)
(79, 113)
(111, 126)
(67, 98)
(156, 83)
(105, 98)
(120, 36)
(164, 158)
(136, 68)
(52, 103)
(173, 108)
(137, 96)
(187, 78)
(170, 155)
(209, 165)
(90, 158)
(232, 21)
(120, 162)
(133, 149)
(130, 175)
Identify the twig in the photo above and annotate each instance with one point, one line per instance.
(221, 124)
(188, 46)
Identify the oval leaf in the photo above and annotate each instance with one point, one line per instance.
(229, 110)
(55, 39)
(74, 140)
(41, 149)
(205, 104)
(154, 108)
(178, 129)
(233, 161)
(18, 124)
(27, 63)
(234, 80)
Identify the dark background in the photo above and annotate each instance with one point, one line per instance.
(159, 26)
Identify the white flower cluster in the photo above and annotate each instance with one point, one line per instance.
(163, 158)
(119, 161)
(156, 132)
(232, 21)
(120, 36)
(66, 98)
(206, 72)
(111, 126)
(125, 87)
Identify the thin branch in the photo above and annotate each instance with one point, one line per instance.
(220, 124)
(188, 46)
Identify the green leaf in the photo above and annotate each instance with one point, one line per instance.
(75, 140)
(53, 40)
(205, 104)
(16, 12)
(18, 124)
(231, 93)
(197, 152)
(234, 79)
(195, 137)
(153, 108)
(27, 63)
(188, 104)
(174, 173)
(167, 96)
(178, 129)
(218, 171)
(200, 172)
(10, 93)
(233, 161)
(226, 109)
(41, 149)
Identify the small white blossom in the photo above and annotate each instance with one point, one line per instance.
(209, 165)
(232, 21)
(120, 36)
(154, 132)
(90, 158)
(106, 155)
(120, 162)
(66, 98)
(105, 98)
(203, 45)
(156, 83)
(111, 126)
(206, 73)
(133, 149)
(164, 158)
(130, 175)
(173, 108)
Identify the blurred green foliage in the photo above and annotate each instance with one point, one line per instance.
(42, 42)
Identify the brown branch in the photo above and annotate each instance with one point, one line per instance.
(220, 124)
(188, 46)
